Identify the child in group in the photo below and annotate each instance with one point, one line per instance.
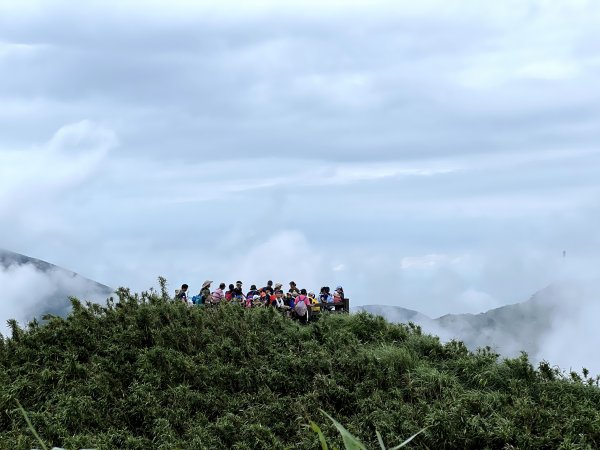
(257, 301)
(314, 301)
(249, 301)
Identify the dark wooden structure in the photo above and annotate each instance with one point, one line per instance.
(342, 307)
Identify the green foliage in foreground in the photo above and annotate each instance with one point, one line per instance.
(152, 374)
(350, 441)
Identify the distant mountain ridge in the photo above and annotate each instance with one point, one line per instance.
(508, 329)
(46, 287)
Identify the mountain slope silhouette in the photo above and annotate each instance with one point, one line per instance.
(508, 329)
(31, 288)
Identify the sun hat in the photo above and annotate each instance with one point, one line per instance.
(206, 283)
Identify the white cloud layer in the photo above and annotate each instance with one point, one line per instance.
(570, 342)
(28, 291)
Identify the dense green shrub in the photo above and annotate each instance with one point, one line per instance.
(149, 373)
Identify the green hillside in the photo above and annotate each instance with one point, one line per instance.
(148, 373)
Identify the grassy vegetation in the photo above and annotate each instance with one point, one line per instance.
(150, 373)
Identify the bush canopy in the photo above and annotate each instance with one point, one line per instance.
(149, 373)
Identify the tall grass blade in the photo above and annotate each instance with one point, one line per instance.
(317, 430)
(30, 426)
(409, 439)
(350, 441)
(380, 440)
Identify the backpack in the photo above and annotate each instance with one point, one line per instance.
(300, 308)
(202, 298)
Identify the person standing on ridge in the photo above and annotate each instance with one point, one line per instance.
(205, 296)
(238, 294)
(182, 294)
(293, 289)
(302, 297)
(279, 300)
(218, 294)
(252, 292)
(313, 302)
(229, 293)
(269, 288)
(301, 305)
(289, 300)
(325, 296)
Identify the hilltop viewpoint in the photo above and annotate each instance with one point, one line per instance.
(145, 372)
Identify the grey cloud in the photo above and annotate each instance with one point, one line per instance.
(286, 86)
(71, 157)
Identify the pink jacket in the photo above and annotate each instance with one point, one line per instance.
(217, 295)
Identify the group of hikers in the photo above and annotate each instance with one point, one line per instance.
(296, 302)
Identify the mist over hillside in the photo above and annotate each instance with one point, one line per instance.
(31, 287)
(553, 325)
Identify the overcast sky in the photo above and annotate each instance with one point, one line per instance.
(436, 155)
